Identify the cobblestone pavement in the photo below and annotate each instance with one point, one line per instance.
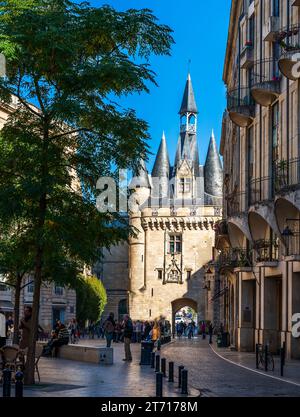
(215, 377)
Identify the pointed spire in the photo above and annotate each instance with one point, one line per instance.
(162, 162)
(213, 171)
(141, 177)
(177, 156)
(188, 104)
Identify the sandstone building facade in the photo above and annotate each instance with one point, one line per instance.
(56, 302)
(161, 269)
(257, 258)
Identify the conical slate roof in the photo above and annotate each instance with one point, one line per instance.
(213, 171)
(162, 162)
(188, 104)
(141, 177)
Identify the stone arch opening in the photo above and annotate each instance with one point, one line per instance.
(265, 238)
(237, 237)
(180, 303)
(288, 222)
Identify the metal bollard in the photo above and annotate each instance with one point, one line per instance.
(163, 366)
(171, 371)
(184, 382)
(157, 363)
(284, 352)
(158, 344)
(257, 353)
(153, 360)
(180, 368)
(159, 385)
(19, 385)
(281, 361)
(266, 358)
(6, 382)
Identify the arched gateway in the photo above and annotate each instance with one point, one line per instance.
(179, 304)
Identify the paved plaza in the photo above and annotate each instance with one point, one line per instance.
(216, 377)
(213, 372)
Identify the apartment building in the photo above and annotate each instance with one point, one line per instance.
(257, 258)
(56, 302)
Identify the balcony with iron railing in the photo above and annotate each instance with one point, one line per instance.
(287, 175)
(267, 250)
(266, 81)
(241, 106)
(232, 258)
(237, 204)
(261, 190)
(289, 61)
(247, 55)
(292, 241)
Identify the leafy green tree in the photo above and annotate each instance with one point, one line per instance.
(71, 62)
(92, 299)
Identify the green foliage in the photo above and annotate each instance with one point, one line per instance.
(91, 299)
(71, 62)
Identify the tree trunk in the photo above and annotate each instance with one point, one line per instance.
(17, 309)
(30, 360)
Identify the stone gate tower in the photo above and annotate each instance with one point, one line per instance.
(176, 224)
(179, 207)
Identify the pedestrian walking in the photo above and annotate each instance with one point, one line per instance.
(210, 332)
(156, 334)
(128, 331)
(138, 329)
(109, 328)
(2, 329)
(203, 330)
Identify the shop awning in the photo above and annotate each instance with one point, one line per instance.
(6, 306)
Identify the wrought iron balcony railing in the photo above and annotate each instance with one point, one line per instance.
(267, 250)
(237, 204)
(293, 244)
(261, 190)
(241, 106)
(287, 175)
(266, 81)
(289, 38)
(234, 258)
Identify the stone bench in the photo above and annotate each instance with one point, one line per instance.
(91, 354)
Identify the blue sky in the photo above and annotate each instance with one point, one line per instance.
(200, 32)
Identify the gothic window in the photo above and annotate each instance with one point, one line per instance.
(175, 244)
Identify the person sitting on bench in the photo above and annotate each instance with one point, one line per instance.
(55, 342)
